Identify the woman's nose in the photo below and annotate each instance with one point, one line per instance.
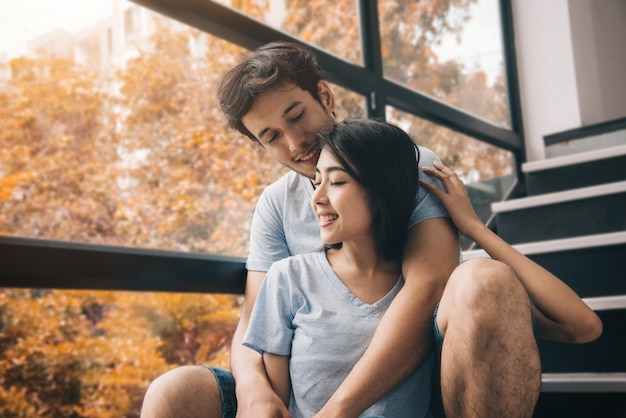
(319, 195)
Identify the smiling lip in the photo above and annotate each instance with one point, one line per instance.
(326, 218)
(308, 156)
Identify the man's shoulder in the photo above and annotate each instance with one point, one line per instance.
(427, 156)
(288, 183)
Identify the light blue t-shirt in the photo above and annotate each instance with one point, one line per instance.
(304, 311)
(285, 224)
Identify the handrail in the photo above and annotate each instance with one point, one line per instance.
(40, 263)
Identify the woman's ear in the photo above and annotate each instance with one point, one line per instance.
(326, 96)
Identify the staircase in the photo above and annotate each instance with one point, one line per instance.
(573, 222)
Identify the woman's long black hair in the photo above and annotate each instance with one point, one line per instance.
(383, 158)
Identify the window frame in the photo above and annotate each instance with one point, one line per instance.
(38, 263)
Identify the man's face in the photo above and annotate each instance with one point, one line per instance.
(286, 121)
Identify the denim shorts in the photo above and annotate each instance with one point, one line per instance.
(226, 383)
(438, 336)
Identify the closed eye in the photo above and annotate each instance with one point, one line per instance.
(298, 116)
(272, 138)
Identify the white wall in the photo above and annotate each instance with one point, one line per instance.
(599, 44)
(546, 71)
(572, 67)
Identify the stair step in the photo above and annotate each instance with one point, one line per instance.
(583, 382)
(574, 159)
(557, 245)
(585, 169)
(606, 303)
(604, 355)
(580, 212)
(580, 405)
(578, 261)
(559, 197)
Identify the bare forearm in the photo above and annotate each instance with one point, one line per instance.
(571, 319)
(246, 364)
(398, 347)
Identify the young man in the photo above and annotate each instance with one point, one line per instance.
(489, 358)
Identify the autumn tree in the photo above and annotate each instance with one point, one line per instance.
(55, 153)
(191, 181)
(410, 35)
(410, 32)
(72, 354)
(93, 354)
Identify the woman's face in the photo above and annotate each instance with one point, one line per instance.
(340, 203)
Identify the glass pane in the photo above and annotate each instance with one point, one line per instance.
(449, 50)
(93, 354)
(487, 171)
(96, 146)
(349, 105)
(332, 27)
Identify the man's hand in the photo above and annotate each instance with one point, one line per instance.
(454, 198)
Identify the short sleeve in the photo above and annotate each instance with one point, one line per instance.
(427, 205)
(267, 235)
(271, 323)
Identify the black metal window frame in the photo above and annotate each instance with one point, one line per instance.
(39, 263)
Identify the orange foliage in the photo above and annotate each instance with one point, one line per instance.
(85, 353)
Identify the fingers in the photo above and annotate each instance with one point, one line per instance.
(431, 187)
(441, 172)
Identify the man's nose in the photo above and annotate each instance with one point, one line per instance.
(294, 139)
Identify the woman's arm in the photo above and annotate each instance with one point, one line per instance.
(277, 368)
(561, 314)
(255, 396)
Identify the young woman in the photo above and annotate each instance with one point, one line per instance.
(316, 313)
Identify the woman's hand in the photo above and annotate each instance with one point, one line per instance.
(454, 198)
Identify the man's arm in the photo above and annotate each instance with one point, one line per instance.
(404, 336)
(255, 397)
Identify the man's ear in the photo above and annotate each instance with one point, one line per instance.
(326, 96)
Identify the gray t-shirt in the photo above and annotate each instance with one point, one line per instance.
(304, 311)
(285, 224)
